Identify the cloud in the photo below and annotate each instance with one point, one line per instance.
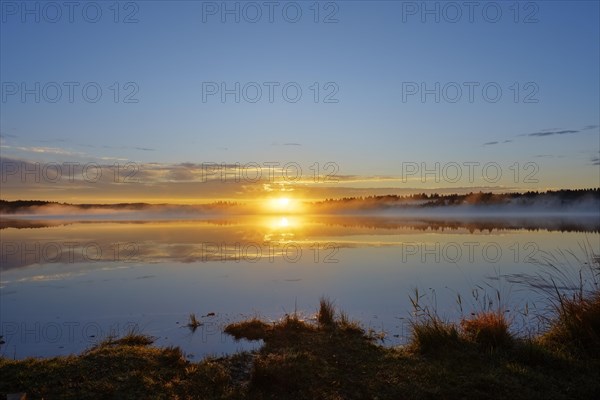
(547, 132)
(286, 144)
(551, 133)
(129, 148)
(52, 140)
(42, 150)
(496, 142)
(595, 161)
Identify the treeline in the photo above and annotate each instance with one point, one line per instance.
(547, 199)
(17, 206)
(564, 196)
(25, 206)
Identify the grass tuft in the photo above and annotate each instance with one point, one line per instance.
(488, 329)
(350, 326)
(571, 285)
(326, 313)
(578, 324)
(252, 329)
(131, 338)
(429, 332)
(433, 334)
(193, 323)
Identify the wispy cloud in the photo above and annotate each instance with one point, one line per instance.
(286, 144)
(551, 133)
(128, 148)
(41, 149)
(545, 133)
(52, 140)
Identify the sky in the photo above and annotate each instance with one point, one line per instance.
(190, 101)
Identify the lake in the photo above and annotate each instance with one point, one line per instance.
(66, 284)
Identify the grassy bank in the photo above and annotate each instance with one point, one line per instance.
(334, 358)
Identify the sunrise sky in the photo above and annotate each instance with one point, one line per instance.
(189, 94)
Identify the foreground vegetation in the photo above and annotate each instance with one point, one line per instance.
(334, 358)
(331, 357)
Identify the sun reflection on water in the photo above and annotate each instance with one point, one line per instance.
(282, 228)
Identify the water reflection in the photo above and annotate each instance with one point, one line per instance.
(86, 275)
(562, 223)
(250, 239)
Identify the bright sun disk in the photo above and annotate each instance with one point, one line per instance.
(283, 202)
(282, 205)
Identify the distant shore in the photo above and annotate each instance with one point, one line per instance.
(582, 201)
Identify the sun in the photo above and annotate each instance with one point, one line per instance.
(283, 202)
(282, 205)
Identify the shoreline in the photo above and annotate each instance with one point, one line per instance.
(333, 357)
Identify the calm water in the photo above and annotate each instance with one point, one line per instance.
(66, 285)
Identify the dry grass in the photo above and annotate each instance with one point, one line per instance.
(131, 338)
(252, 329)
(346, 324)
(193, 323)
(124, 368)
(326, 313)
(570, 283)
(577, 325)
(488, 329)
(429, 332)
(433, 334)
(335, 358)
(302, 360)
